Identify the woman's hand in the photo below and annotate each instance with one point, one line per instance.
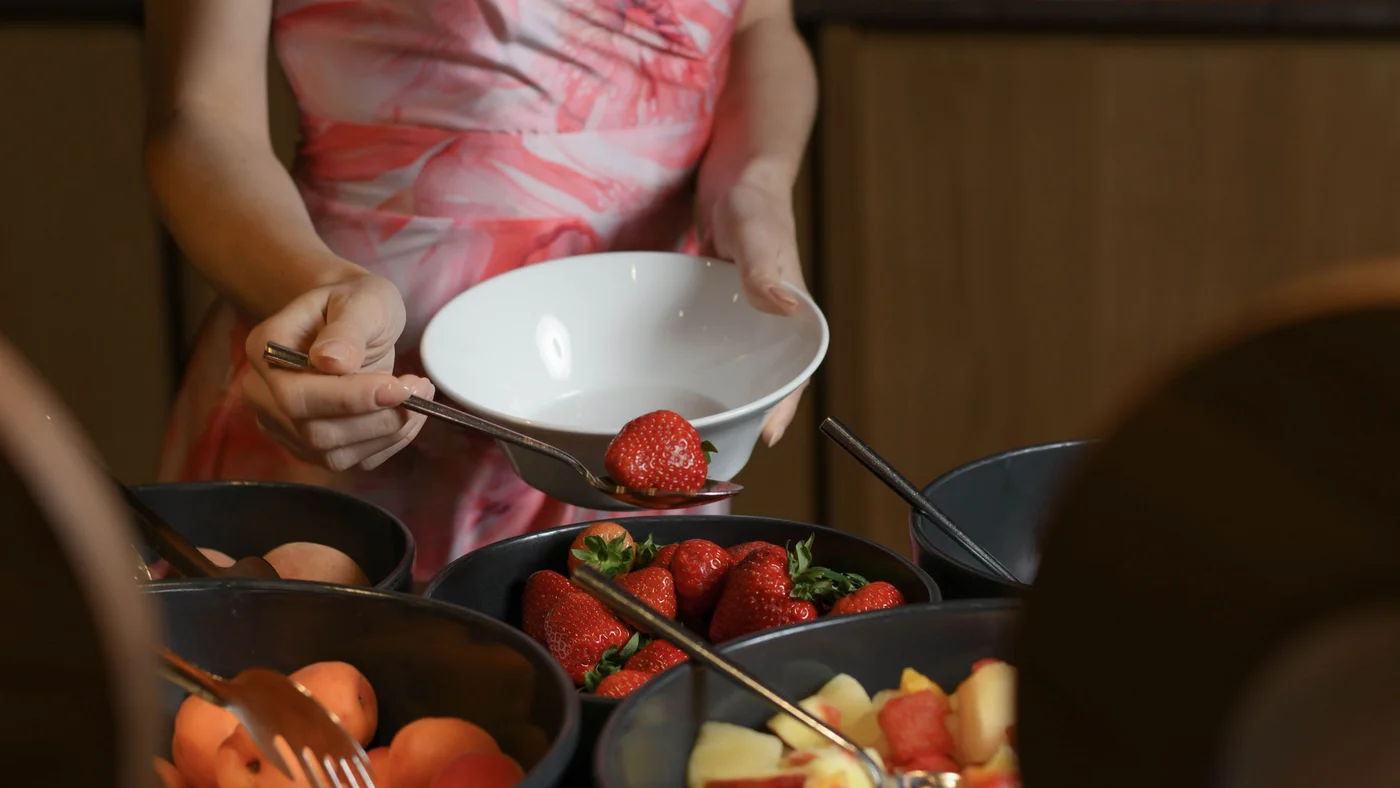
(348, 416)
(752, 224)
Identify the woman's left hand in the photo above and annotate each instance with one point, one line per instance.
(752, 224)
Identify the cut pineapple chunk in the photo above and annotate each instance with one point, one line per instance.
(726, 752)
(986, 704)
(866, 730)
(912, 681)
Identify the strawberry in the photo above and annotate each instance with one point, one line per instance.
(876, 596)
(772, 587)
(656, 656)
(621, 683)
(664, 555)
(654, 586)
(739, 552)
(915, 726)
(577, 632)
(543, 590)
(699, 567)
(614, 659)
(659, 451)
(606, 547)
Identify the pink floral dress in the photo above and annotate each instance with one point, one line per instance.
(446, 142)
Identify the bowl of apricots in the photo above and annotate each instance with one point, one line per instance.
(305, 532)
(439, 697)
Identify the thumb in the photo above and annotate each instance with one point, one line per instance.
(761, 256)
(356, 322)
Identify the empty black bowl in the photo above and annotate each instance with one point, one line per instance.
(245, 519)
(1001, 502)
(492, 579)
(423, 658)
(647, 742)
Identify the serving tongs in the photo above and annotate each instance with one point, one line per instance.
(633, 609)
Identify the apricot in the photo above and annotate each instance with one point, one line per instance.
(160, 569)
(379, 767)
(216, 558)
(311, 561)
(200, 727)
(346, 693)
(425, 747)
(170, 777)
(480, 770)
(240, 764)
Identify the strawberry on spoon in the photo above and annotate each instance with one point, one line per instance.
(659, 451)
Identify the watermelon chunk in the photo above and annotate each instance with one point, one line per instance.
(914, 726)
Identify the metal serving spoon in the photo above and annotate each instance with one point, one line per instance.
(646, 499)
(624, 603)
(183, 556)
(896, 481)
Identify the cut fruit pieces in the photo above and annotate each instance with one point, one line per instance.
(727, 752)
(866, 731)
(986, 707)
(848, 696)
(796, 734)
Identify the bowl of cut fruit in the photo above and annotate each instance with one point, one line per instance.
(723, 577)
(305, 532)
(920, 688)
(571, 350)
(440, 697)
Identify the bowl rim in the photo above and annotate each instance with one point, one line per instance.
(679, 671)
(562, 746)
(916, 531)
(401, 571)
(733, 414)
(485, 553)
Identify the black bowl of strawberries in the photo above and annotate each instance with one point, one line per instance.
(724, 577)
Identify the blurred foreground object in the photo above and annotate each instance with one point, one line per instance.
(77, 684)
(1217, 598)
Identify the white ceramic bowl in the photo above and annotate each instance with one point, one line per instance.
(570, 350)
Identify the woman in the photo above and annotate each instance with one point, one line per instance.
(444, 142)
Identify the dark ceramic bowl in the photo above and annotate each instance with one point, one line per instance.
(647, 743)
(492, 579)
(424, 659)
(1001, 502)
(245, 519)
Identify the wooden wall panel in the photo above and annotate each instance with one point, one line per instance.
(80, 281)
(1015, 227)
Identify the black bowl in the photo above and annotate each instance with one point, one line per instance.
(492, 579)
(245, 519)
(647, 742)
(1001, 502)
(423, 658)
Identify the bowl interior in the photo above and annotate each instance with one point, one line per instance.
(422, 659)
(647, 742)
(587, 343)
(1001, 502)
(250, 518)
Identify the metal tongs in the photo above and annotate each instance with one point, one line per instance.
(627, 605)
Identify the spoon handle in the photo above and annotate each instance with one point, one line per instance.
(896, 481)
(287, 358)
(618, 598)
(166, 541)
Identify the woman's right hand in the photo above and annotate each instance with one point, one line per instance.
(348, 416)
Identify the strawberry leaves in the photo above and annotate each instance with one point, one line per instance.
(612, 661)
(817, 584)
(646, 552)
(607, 556)
(710, 452)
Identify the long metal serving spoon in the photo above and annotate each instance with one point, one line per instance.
(624, 603)
(896, 481)
(183, 556)
(647, 499)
